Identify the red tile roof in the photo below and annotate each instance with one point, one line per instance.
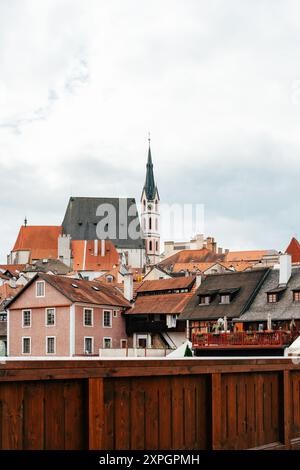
(12, 268)
(192, 256)
(78, 290)
(184, 282)
(160, 304)
(40, 240)
(248, 255)
(294, 250)
(85, 260)
(6, 291)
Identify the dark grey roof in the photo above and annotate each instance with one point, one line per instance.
(54, 265)
(242, 285)
(149, 186)
(81, 221)
(284, 309)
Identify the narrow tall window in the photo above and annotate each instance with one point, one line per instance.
(296, 296)
(88, 317)
(225, 299)
(26, 345)
(156, 224)
(88, 345)
(150, 245)
(26, 318)
(50, 316)
(107, 321)
(150, 223)
(50, 345)
(40, 289)
(156, 246)
(156, 205)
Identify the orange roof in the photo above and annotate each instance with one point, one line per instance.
(159, 304)
(248, 255)
(294, 250)
(40, 240)
(85, 260)
(193, 256)
(13, 268)
(184, 282)
(6, 291)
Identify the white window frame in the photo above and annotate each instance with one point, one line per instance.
(84, 350)
(48, 353)
(103, 342)
(23, 311)
(126, 341)
(83, 318)
(115, 313)
(27, 353)
(111, 317)
(46, 316)
(36, 288)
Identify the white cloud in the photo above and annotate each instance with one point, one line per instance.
(84, 82)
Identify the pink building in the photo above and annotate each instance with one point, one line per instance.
(60, 316)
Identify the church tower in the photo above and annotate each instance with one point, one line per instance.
(150, 214)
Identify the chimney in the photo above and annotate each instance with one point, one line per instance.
(198, 280)
(128, 286)
(102, 247)
(95, 247)
(220, 251)
(285, 268)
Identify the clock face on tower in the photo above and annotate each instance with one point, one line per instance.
(149, 207)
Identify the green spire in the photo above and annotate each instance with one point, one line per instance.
(149, 186)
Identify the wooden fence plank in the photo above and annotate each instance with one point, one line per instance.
(96, 413)
(216, 401)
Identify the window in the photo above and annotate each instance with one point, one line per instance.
(156, 245)
(156, 205)
(115, 313)
(109, 278)
(150, 245)
(225, 299)
(88, 317)
(88, 345)
(123, 343)
(50, 316)
(144, 204)
(150, 223)
(296, 296)
(50, 345)
(107, 323)
(156, 224)
(26, 345)
(205, 300)
(272, 298)
(40, 289)
(26, 318)
(107, 343)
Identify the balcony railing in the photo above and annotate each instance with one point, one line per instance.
(141, 326)
(243, 339)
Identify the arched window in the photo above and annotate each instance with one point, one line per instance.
(109, 278)
(150, 223)
(150, 245)
(156, 224)
(156, 244)
(156, 205)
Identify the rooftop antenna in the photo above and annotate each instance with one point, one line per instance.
(25, 221)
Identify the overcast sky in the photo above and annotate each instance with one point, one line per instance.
(217, 82)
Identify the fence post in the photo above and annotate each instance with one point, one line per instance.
(216, 401)
(287, 409)
(95, 413)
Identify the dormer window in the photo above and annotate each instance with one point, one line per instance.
(296, 296)
(205, 300)
(272, 298)
(224, 299)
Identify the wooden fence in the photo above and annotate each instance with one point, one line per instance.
(150, 404)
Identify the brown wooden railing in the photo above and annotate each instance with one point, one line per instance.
(243, 339)
(150, 404)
